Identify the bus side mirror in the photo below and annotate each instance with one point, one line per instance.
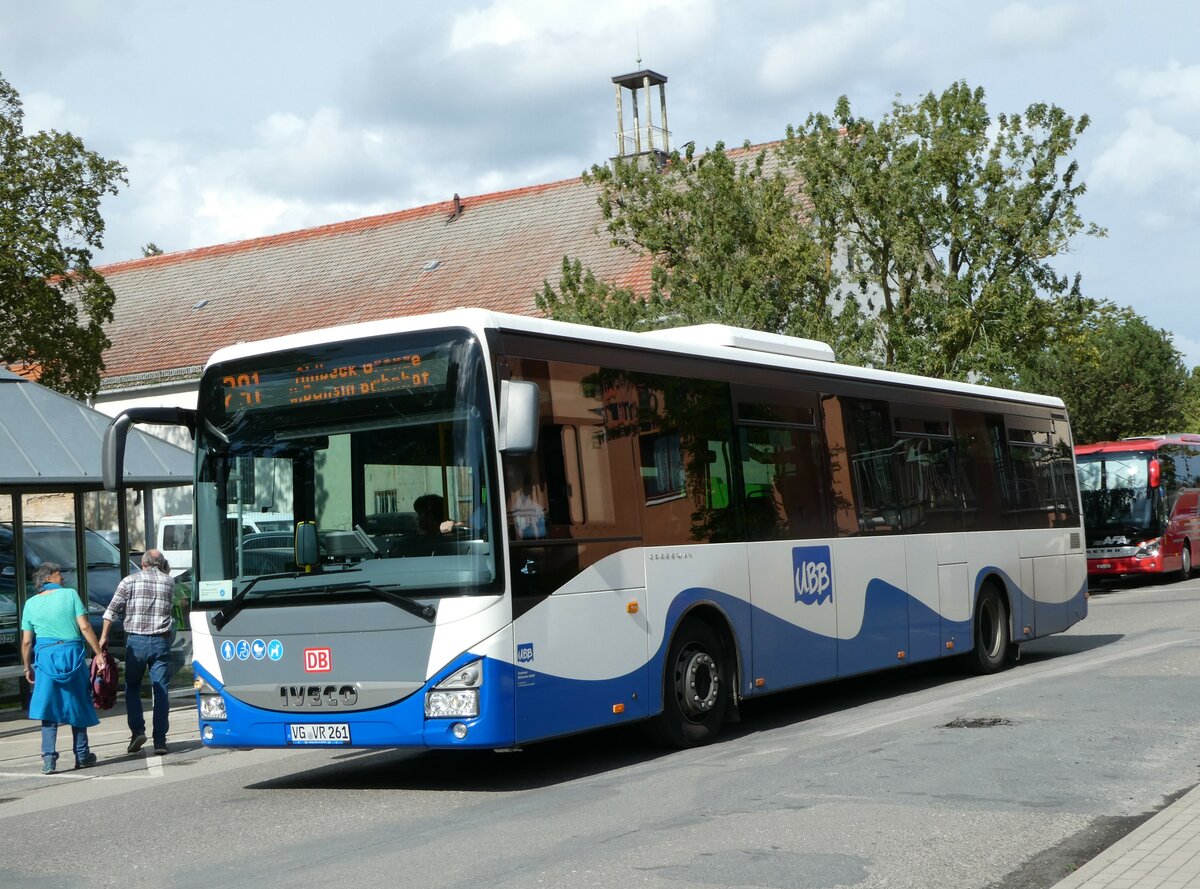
(308, 552)
(1155, 473)
(519, 402)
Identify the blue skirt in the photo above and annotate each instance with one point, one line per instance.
(62, 688)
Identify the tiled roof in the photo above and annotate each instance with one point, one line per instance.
(494, 255)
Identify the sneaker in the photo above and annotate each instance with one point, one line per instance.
(49, 764)
(86, 761)
(136, 742)
(160, 748)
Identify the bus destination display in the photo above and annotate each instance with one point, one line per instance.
(325, 381)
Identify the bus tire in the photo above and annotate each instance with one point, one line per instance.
(990, 631)
(1185, 568)
(697, 684)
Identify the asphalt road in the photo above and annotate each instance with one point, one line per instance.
(923, 777)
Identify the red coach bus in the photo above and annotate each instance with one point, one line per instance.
(1140, 499)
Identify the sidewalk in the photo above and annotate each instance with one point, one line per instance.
(1163, 853)
(20, 740)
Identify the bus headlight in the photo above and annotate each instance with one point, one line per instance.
(1147, 550)
(457, 695)
(212, 708)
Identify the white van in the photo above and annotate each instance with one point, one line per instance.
(174, 538)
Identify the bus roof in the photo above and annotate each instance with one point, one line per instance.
(1138, 443)
(708, 340)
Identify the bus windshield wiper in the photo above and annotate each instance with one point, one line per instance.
(426, 612)
(226, 614)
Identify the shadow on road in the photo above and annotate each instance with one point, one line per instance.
(567, 759)
(1060, 646)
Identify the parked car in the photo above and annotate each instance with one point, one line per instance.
(174, 535)
(55, 542)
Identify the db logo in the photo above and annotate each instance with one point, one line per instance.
(318, 660)
(812, 575)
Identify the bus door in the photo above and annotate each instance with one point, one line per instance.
(869, 568)
(576, 569)
(786, 504)
(929, 503)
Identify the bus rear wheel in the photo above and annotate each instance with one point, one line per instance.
(990, 630)
(696, 687)
(1185, 567)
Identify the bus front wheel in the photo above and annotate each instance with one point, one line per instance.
(991, 631)
(696, 687)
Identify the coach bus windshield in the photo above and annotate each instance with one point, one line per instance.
(383, 444)
(1116, 493)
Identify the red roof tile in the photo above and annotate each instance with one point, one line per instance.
(174, 310)
(495, 255)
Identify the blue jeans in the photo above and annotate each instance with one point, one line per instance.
(152, 653)
(50, 740)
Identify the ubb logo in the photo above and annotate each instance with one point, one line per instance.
(525, 653)
(812, 574)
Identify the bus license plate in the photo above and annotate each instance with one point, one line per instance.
(319, 733)
(1103, 565)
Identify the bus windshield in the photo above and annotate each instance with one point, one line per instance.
(1116, 492)
(385, 445)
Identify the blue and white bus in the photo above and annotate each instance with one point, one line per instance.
(509, 529)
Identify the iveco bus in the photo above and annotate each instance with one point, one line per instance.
(508, 529)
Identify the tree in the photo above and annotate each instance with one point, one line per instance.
(151, 249)
(1118, 375)
(728, 243)
(949, 221)
(53, 304)
(1191, 402)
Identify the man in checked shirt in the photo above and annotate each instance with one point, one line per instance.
(146, 599)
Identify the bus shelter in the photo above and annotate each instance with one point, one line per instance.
(50, 444)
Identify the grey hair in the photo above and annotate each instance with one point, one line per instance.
(152, 558)
(44, 572)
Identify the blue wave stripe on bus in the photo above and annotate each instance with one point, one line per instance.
(1043, 618)
(547, 705)
(785, 654)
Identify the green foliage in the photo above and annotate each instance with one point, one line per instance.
(53, 304)
(1191, 402)
(727, 242)
(151, 249)
(1118, 375)
(949, 221)
(583, 299)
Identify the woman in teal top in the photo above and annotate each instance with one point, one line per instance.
(55, 665)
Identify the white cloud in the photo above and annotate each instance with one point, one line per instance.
(822, 51)
(296, 173)
(1025, 26)
(1147, 156)
(1176, 87)
(545, 40)
(44, 111)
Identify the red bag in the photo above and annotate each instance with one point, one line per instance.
(105, 680)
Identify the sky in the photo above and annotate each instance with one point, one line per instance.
(237, 119)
